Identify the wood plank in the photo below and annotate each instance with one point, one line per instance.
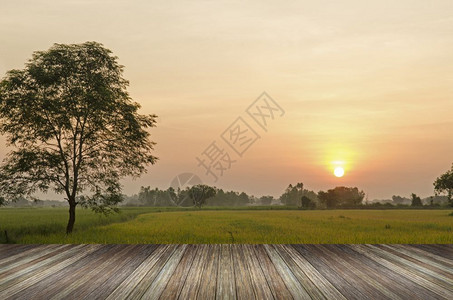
(408, 287)
(320, 282)
(414, 267)
(403, 271)
(444, 269)
(32, 268)
(62, 279)
(79, 253)
(244, 289)
(348, 273)
(439, 250)
(377, 287)
(333, 274)
(29, 257)
(394, 282)
(121, 271)
(4, 248)
(129, 284)
(292, 283)
(226, 271)
(428, 254)
(274, 280)
(226, 284)
(176, 282)
(259, 282)
(192, 285)
(158, 285)
(19, 253)
(303, 279)
(140, 289)
(208, 281)
(10, 250)
(97, 274)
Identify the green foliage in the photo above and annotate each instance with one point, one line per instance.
(341, 197)
(398, 200)
(307, 203)
(293, 194)
(444, 185)
(157, 197)
(228, 198)
(73, 127)
(180, 197)
(416, 201)
(200, 193)
(266, 200)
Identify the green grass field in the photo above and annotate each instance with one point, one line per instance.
(175, 225)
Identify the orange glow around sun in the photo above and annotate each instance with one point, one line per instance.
(339, 159)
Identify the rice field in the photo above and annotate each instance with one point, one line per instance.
(175, 225)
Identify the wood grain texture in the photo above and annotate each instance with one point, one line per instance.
(273, 277)
(405, 269)
(334, 273)
(226, 284)
(238, 271)
(208, 286)
(409, 288)
(258, 277)
(243, 281)
(159, 283)
(294, 285)
(319, 281)
(177, 280)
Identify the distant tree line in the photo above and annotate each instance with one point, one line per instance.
(341, 197)
(191, 196)
(24, 202)
(294, 195)
(413, 200)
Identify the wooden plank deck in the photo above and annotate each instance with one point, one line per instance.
(226, 271)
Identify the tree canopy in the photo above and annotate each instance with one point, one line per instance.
(444, 185)
(416, 200)
(341, 197)
(293, 194)
(73, 126)
(200, 193)
(306, 202)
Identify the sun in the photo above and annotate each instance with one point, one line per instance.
(339, 171)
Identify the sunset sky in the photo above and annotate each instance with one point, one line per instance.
(365, 83)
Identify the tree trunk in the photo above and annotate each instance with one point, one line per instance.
(71, 220)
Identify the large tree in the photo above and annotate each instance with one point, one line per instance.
(341, 196)
(200, 193)
(293, 194)
(73, 127)
(416, 200)
(444, 184)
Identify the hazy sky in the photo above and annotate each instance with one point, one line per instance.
(369, 83)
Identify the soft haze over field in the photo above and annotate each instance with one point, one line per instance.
(370, 84)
